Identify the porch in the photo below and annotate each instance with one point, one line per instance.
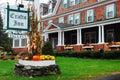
(85, 37)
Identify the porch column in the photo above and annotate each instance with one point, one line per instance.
(59, 38)
(102, 33)
(99, 36)
(46, 36)
(63, 38)
(78, 36)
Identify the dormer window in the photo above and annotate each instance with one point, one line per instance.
(50, 8)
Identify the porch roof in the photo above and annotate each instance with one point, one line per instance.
(63, 25)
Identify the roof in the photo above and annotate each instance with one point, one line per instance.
(62, 25)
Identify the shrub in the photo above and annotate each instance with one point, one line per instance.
(95, 54)
(47, 48)
(91, 54)
(111, 55)
(84, 54)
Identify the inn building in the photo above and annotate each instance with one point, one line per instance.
(80, 25)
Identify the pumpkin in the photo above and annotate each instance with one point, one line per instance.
(36, 58)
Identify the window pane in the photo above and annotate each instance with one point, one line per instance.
(16, 44)
(110, 14)
(23, 42)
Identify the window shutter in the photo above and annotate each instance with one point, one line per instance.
(68, 3)
(114, 10)
(62, 3)
(68, 19)
(93, 15)
(86, 17)
(79, 1)
(105, 12)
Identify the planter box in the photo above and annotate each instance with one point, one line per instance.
(36, 63)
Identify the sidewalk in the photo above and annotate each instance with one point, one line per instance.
(111, 77)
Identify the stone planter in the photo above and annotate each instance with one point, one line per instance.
(37, 63)
(29, 68)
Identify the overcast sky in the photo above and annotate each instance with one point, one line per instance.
(11, 2)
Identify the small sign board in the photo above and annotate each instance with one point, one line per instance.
(17, 19)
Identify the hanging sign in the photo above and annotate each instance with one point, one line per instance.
(17, 19)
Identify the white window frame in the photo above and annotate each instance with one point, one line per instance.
(65, 3)
(50, 21)
(72, 2)
(90, 13)
(25, 43)
(110, 8)
(84, 0)
(77, 17)
(71, 19)
(18, 43)
(61, 20)
(50, 8)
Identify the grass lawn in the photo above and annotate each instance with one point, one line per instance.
(71, 69)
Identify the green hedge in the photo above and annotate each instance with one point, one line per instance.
(91, 54)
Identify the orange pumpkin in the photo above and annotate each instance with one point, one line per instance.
(36, 58)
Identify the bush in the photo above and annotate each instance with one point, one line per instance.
(95, 54)
(91, 54)
(111, 55)
(84, 54)
(47, 48)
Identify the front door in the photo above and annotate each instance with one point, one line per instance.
(54, 43)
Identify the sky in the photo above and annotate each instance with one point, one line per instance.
(12, 2)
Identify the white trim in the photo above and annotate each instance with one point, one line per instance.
(103, 34)
(56, 6)
(50, 26)
(99, 34)
(80, 36)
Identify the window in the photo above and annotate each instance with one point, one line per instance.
(50, 8)
(72, 2)
(16, 43)
(110, 11)
(84, 0)
(50, 21)
(23, 42)
(90, 15)
(77, 18)
(110, 35)
(61, 20)
(100, 0)
(70, 19)
(64, 3)
(90, 37)
(77, 1)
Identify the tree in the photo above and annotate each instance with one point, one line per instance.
(5, 41)
(47, 48)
